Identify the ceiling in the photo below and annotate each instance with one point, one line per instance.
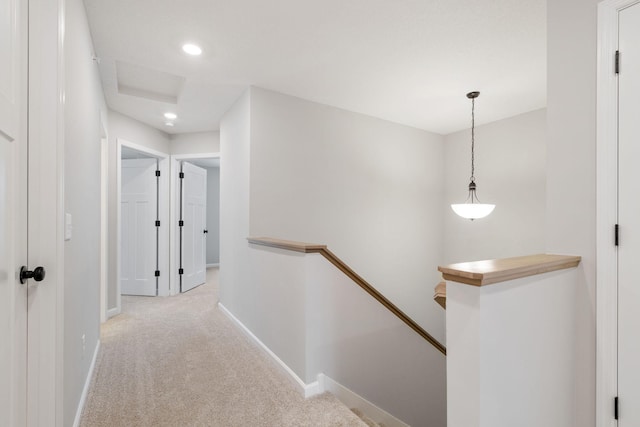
(407, 61)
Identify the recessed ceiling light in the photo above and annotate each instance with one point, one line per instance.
(170, 116)
(192, 49)
(170, 124)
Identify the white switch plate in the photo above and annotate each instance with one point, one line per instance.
(68, 226)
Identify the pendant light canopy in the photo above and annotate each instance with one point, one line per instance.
(472, 208)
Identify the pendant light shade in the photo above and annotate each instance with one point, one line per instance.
(472, 208)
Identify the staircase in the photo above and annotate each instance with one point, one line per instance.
(360, 328)
(368, 421)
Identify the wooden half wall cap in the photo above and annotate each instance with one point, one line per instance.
(480, 273)
(440, 295)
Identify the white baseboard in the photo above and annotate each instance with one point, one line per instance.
(322, 384)
(213, 265)
(307, 390)
(353, 400)
(113, 312)
(313, 389)
(87, 384)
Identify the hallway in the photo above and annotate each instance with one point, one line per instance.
(179, 361)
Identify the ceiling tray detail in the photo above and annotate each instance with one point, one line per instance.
(146, 83)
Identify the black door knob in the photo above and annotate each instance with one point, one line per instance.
(37, 274)
(205, 231)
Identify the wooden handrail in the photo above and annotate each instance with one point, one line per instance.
(322, 250)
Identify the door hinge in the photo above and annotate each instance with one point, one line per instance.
(157, 223)
(617, 62)
(617, 234)
(181, 271)
(615, 407)
(181, 175)
(158, 173)
(157, 273)
(181, 223)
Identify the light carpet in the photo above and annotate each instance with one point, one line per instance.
(179, 361)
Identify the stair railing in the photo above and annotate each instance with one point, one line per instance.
(333, 259)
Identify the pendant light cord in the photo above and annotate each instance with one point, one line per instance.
(473, 122)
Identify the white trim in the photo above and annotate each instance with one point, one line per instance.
(217, 264)
(174, 250)
(211, 155)
(607, 211)
(313, 389)
(353, 400)
(142, 148)
(87, 384)
(60, 252)
(174, 280)
(104, 220)
(113, 312)
(322, 384)
(163, 243)
(118, 306)
(307, 390)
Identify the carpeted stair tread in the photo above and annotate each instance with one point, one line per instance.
(368, 421)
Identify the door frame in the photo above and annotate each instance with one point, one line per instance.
(14, 134)
(104, 218)
(607, 211)
(174, 285)
(163, 239)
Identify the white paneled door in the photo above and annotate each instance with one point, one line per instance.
(138, 215)
(194, 229)
(629, 218)
(13, 214)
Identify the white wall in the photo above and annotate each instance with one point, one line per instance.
(370, 189)
(374, 192)
(125, 127)
(510, 352)
(240, 293)
(358, 343)
(195, 143)
(510, 165)
(571, 169)
(213, 215)
(235, 143)
(84, 106)
(131, 130)
(317, 320)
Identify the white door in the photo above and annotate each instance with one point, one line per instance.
(194, 229)
(138, 233)
(13, 215)
(629, 218)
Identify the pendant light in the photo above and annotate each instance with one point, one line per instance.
(472, 208)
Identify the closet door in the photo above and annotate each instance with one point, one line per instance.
(139, 206)
(194, 230)
(629, 218)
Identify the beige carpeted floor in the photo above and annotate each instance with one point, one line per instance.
(179, 361)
